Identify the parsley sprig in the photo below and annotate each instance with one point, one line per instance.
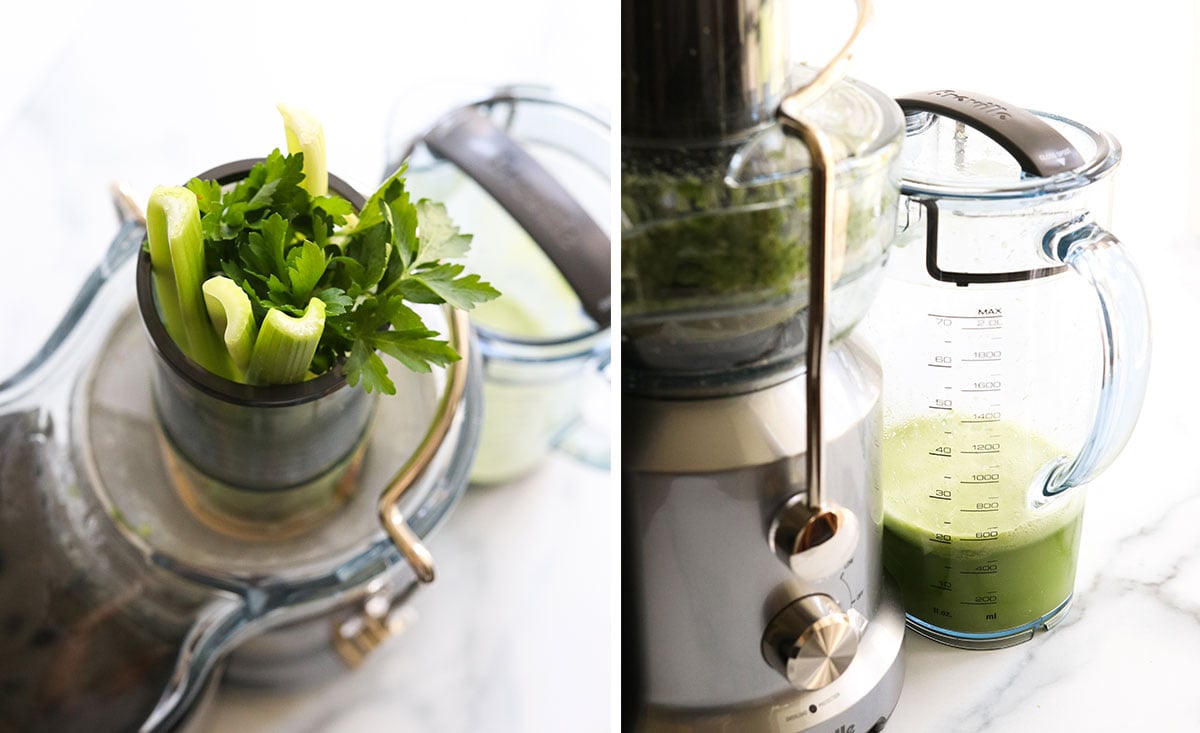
(283, 247)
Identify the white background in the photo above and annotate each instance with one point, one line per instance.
(1132, 68)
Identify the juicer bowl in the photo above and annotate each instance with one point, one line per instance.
(715, 242)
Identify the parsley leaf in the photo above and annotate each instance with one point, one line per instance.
(371, 249)
(336, 302)
(446, 285)
(364, 367)
(414, 352)
(439, 237)
(306, 265)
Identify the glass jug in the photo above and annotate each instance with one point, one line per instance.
(545, 360)
(1014, 335)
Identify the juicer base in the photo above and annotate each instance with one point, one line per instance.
(860, 701)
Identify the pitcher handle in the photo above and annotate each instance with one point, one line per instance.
(1100, 258)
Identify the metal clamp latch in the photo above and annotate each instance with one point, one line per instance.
(382, 617)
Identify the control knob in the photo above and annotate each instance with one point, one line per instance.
(812, 641)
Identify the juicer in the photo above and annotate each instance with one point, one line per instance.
(758, 202)
(122, 603)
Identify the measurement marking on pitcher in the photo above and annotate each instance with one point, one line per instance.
(987, 567)
(975, 317)
(991, 533)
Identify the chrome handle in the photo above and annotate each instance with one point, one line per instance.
(402, 536)
(823, 520)
(409, 544)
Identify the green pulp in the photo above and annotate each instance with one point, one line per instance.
(969, 552)
(689, 235)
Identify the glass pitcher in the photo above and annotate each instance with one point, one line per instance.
(545, 359)
(1014, 334)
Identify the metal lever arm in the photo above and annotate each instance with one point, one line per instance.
(823, 520)
(402, 536)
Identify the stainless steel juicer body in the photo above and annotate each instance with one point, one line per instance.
(751, 445)
(709, 480)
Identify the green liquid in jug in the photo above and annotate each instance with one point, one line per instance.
(969, 553)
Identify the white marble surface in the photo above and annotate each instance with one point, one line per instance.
(515, 635)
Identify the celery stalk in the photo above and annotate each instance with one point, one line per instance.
(177, 261)
(229, 308)
(305, 135)
(285, 345)
(162, 273)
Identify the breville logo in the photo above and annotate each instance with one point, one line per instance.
(986, 106)
(845, 729)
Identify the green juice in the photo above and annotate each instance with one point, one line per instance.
(970, 554)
